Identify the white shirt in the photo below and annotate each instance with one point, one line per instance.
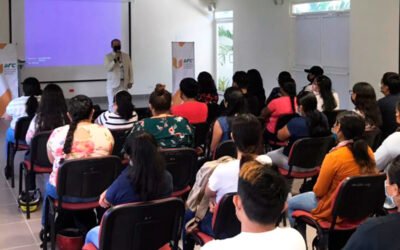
(113, 121)
(17, 109)
(225, 177)
(320, 101)
(279, 239)
(389, 149)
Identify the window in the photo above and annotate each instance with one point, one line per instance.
(224, 49)
(322, 6)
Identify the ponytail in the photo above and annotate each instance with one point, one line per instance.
(70, 137)
(247, 158)
(31, 106)
(359, 149)
(124, 105)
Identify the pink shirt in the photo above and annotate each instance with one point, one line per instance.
(195, 112)
(278, 107)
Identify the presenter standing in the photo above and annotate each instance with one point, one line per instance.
(119, 71)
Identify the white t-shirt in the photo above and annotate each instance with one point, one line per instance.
(279, 239)
(388, 150)
(320, 101)
(225, 177)
(17, 109)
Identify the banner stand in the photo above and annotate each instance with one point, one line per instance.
(182, 62)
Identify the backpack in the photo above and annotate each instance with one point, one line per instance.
(197, 202)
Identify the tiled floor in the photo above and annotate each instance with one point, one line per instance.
(16, 232)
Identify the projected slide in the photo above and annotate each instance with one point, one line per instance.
(68, 39)
(69, 33)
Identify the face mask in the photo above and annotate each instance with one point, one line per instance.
(117, 48)
(389, 199)
(334, 135)
(309, 78)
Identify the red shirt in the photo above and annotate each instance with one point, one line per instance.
(195, 112)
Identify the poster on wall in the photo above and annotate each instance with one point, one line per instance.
(8, 75)
(182, 62)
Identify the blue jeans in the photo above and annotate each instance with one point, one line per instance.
(205, 226)
(9, 138)
(52, 192)
(306, 202)
(93, 236)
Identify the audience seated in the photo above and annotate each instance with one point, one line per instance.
(246, 133)
(390, 88)
(389, 149)
(51, 114)
(170, 131)
(256, 88)
(381, 232)
(260, 201)
(123, 115)
(310, 123)
(235, 105)
(312, 73)
(80, 139)
(144, 179)
(284, 105)
(276, 92)
(191, 109)
(22, 106)
(207, 89)
(364, 99)
(351, 157)
(327, 99)
(241, 81)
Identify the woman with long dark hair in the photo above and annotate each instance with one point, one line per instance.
(144, 179)
(207, 89)
(364, 98)
(256, 87)
(80, 139)
(327, 99)
(234, 103)
(351, 157)
(310, 123)
(123, 115)
(51, 114)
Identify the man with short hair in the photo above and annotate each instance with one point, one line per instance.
(194, 111)
(119, 71)
(390, 88)
(261, 199)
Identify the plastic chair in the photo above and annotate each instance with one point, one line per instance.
(281, 122)
(120, 136)
(21, 127)
(181, 163)
(226, 148)
(224, 223)
(355, 199)
(307, 153)
(144, 225)
(81, 178)
(200, 134)
(38, 163)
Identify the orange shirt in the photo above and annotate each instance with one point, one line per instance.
(337, 165)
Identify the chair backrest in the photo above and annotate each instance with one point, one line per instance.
(310, 152)
(358, 197)
(181, 163)
(21, 127)
(145, 225)
(143, 113)
(226, 148)
(373, 138)
(225, 222)
(331, 115)
(87, 178)
(120, 136)
(283, 120)
(213, 112)
(38, 149)
(200, 134)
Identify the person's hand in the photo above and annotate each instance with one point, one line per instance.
(103, 202)
(130, 85)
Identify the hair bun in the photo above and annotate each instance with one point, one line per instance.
(160, 89)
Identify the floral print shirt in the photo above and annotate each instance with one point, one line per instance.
(90, 140)
(170, 132)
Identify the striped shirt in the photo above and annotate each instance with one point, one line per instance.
(17, 109)
(112, 120)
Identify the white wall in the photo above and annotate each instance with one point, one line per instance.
(261, 37)
(374, 40)
(4, 30)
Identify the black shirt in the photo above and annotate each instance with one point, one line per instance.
(387, 105)
(377, 233)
